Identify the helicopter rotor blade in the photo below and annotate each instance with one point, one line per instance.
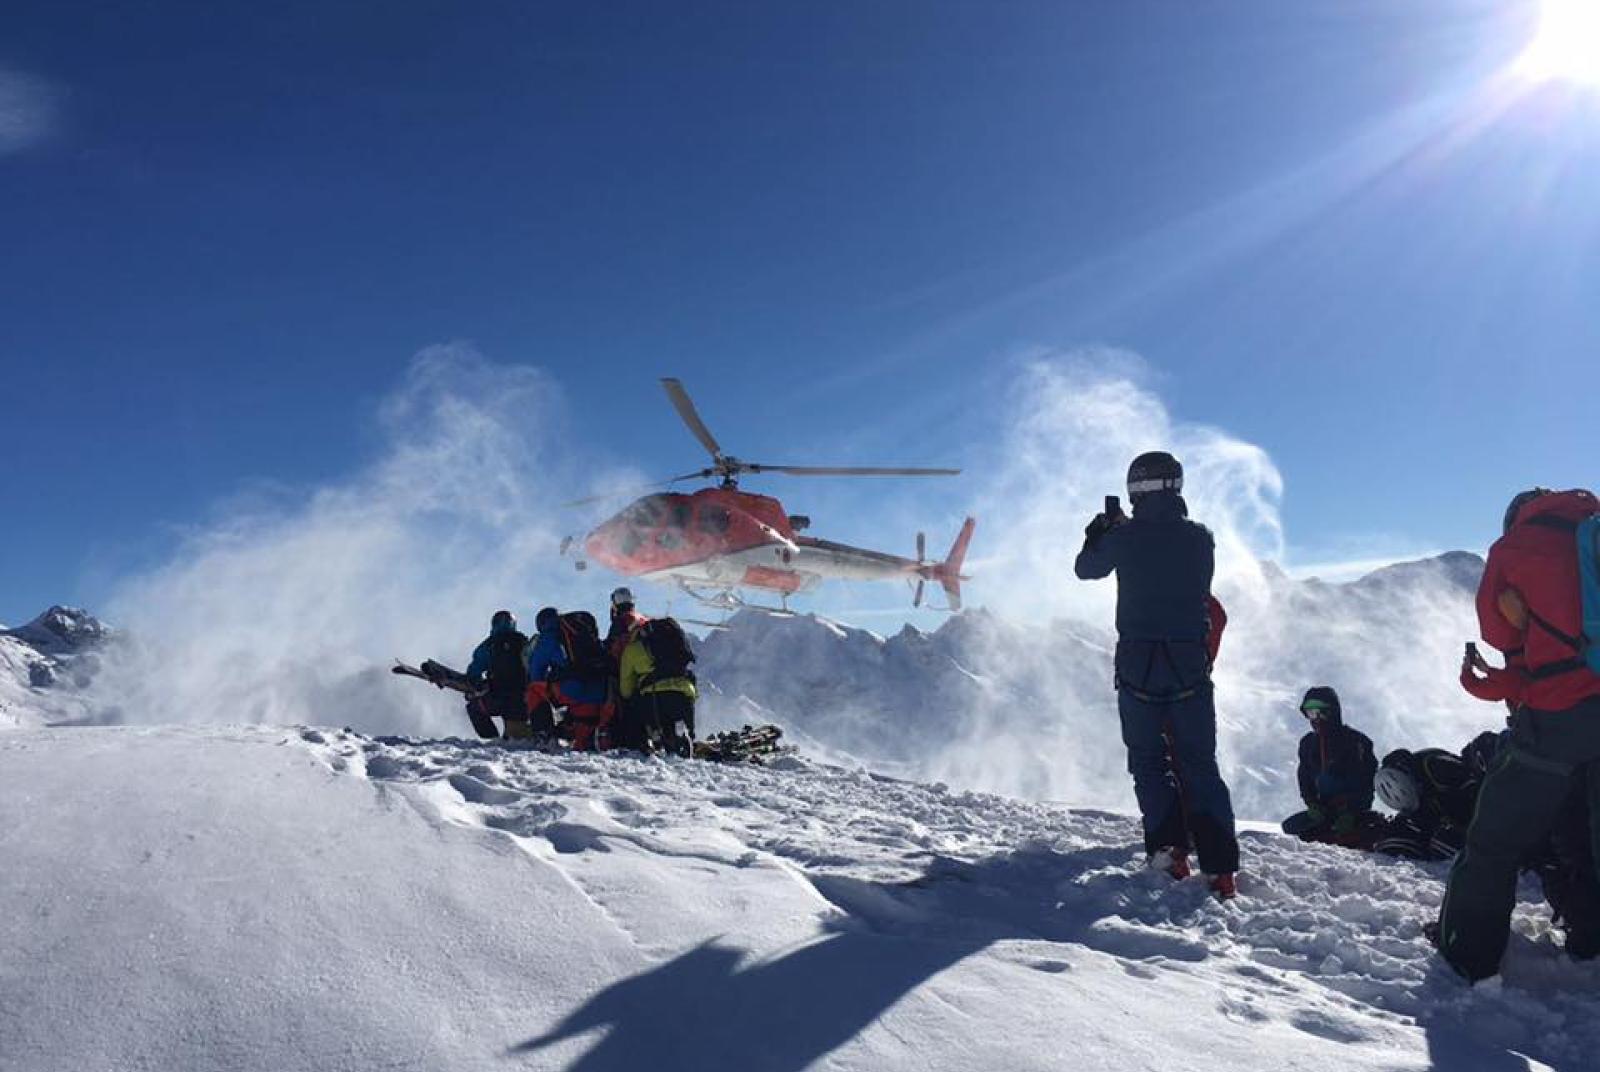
(922, 548)
(843, 470)
(916, 600)
(685, 407)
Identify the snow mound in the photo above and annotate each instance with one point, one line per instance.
(316, 899)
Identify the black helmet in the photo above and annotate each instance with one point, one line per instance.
(1518, 501)
(1155, 470)
(503, 621)
(546, 619)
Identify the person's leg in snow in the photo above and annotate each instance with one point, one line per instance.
(1192, 727)
(1522, 795)
(1155, 784)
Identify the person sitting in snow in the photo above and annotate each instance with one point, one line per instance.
(498, 664)
(1433, 793)
(658, 689)
(567, 668)
(1335, 775)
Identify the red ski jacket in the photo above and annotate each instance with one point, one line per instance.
(1538, 559)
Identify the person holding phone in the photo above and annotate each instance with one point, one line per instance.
(1164, 564)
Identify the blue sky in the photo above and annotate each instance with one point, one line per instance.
(1330, 228)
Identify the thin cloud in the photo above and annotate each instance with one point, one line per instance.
(29, 112)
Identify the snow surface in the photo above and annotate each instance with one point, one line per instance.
(308, 899)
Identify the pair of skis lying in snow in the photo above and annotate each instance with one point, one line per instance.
(748, 744)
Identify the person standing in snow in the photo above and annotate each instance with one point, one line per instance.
(1336, 769)
(1164, 564)
(498, 664)
(1555, 728)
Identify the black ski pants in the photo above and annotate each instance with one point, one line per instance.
(1521, 797)
(1172, 755)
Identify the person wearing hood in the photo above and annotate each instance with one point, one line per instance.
(1555, 728)
(1335, 776)
(1164, 564)
(497, 664)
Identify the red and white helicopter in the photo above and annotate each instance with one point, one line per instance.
(718, 540)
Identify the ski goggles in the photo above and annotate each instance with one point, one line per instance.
(1316, 710)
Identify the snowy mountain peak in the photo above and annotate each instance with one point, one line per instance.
(1457, 569)
(62, 631)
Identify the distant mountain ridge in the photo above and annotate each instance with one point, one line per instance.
(46, 666)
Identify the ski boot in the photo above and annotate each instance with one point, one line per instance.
(1174, 861)
(1222, 886)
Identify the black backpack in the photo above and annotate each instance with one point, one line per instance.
(580, 640)
(508, 671)
(668, 648)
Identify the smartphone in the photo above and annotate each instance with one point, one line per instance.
(1113, 506)
(1472, 651)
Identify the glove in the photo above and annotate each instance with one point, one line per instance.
(1101, 525)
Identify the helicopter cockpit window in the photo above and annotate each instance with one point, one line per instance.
(677, 520)
(714, 520)
(647, 513)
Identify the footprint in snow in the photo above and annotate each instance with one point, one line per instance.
(1324, 1025)
(475, 792)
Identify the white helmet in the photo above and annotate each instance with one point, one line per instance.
(1397, 788)
(622, 596)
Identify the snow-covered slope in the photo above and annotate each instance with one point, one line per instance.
(46, 666)
(287, 900)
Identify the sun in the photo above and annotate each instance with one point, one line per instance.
(1567, 44)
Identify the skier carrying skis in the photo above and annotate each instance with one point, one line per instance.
(498, 663)
(1547, 558)
(1336, 769)
(1164, 564)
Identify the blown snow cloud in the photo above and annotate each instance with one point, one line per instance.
(290, 609)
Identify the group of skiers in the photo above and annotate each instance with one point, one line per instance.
(1523, 799)
(632, 688)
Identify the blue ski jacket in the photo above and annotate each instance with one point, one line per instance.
(547, 660)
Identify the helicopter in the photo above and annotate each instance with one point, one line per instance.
(716, 541)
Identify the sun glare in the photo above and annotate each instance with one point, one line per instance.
(1567, 45)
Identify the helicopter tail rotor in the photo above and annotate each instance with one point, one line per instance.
(947, 573)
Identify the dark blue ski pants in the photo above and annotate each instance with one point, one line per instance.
(1172, 755)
